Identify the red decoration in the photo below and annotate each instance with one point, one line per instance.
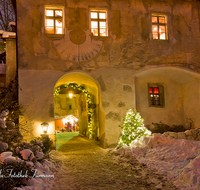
(156, 90)
(150, 90)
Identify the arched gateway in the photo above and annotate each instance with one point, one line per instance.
(77, 106)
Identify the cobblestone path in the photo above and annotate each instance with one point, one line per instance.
(83, 165)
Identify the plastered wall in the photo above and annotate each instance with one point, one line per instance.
(173, 110)
(129, 48)
(191, 94)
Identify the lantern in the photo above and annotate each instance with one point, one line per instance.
(44, 126)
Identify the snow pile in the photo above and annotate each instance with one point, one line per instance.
(7, 157)
(178, 158)
(27, 154)
(3, 146)
(41, 178)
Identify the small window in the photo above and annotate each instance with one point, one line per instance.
(156, 95)
(159, 27)
(53, 21)
(98, 23)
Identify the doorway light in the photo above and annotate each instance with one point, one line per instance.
(70, 95)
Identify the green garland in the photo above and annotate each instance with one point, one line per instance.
(81, 88)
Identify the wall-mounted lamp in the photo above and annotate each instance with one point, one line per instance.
(44, 126)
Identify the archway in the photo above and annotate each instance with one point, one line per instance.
(76, 106)
(180, 90)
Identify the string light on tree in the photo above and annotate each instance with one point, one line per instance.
(132, 128)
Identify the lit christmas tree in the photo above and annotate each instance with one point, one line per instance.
(132, 128)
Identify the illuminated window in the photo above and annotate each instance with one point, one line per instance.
(99, 22)
(159, 27)
(156, 95)
(54, 21)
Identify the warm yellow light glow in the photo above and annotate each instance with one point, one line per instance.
(99, 23)
(154, 19)
(70, 95)
(49, 12)
(162, 36)
(102, 15)
(50, 22)
(161, 19)
(70, 119)
(58, 30)
(94, 24)
(58, 23)
(160, 29)
(93, 15)
(58, 13)
(102, 24)
(44, 126)
(103, 32)
(54, 21)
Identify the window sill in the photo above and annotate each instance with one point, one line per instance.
(159, 40)
(156, 106)
(55, 36)
(100, 38)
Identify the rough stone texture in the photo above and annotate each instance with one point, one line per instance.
(132, 42)
(193, 134)
(10, 60)
(105, 104)
(125, 61)
(51, 110)
(181, 135)
(190, 138)
(114, 116)
(188, 133)
(81, 164)
(127, 88)
(121, 104)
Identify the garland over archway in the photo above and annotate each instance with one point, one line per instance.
(81, 88)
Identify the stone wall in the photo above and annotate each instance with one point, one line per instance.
(127, 51)
(129, 44)
(11, 63)
(193, 134)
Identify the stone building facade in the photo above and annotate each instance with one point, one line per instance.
(125, 53)
(8, 65)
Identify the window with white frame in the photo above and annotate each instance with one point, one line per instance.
(99, 25)
(54, 20)
(159, 27)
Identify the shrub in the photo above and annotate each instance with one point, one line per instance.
(8, 182)
(132, 128)
(47, 143)
(9, 100)
(10, 140)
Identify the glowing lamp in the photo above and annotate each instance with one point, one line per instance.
(70, 95)
(44, 126)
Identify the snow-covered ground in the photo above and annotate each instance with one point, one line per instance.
(43, 175)
(178, 158)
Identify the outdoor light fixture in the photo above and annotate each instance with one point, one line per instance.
(44, 126)
(70, 95)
